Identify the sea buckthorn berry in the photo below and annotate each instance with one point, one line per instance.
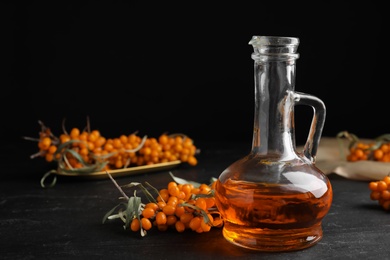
(180, 210)
(161, 204)
(186, 217)
(161, 218)
(201, 203)
(163, 139)
(192, 161)
(195, 223)
(174, 191)
(52, 149)
(64, 138)
(385, 194)
(385, 148)
(164, 195)
(359, 153)
(74, 133)
(373, 185)
(171, 220)
(44, 143)
(180, 227)
(375, 195)
(210, 202)
(49, 157)
(152, 205)
(148, 212)
(204, 188)
(186, 188)
(195, 191)
(378, 155)
(169, 210)
(386, 179)
(135, 225)
(146, 223)
(382, 185)
(172, 184)
(181, 195)
(172, 201)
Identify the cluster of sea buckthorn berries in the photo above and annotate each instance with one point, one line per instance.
(377, 150)
(362, 151)
(180, 207)
(380, 191)
(121, 152)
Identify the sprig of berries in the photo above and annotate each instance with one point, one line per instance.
(380, 191)
(179, 206)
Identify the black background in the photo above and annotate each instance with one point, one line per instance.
(185, 67)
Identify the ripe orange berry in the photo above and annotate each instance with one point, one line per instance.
(135, 225)
(210, 202)
(205, 226)
(385, 194)
(385, 148)
(172, 201)
(148, 212)
(375, 195)
(161, 204)
(201, 203)
(359, 153)
(146, 223)
(180, 210)
(152, 205)
(169, 209)
(378, 154)
(171, 220)
(192, 161)
(186, 188)
(180, 227)
(186, 217)
(174, 191)
(387, 180)
(74, 133)
(161, 218)
(164, 195)
(382, 185)
(52, 149)
(49, 157)
(44, 143)
(195, 223)
(373, 185)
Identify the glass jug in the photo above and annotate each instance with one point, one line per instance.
(274, 198)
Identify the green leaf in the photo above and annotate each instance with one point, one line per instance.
(45, 176)
(183, 181)
(112, 210)
(132, 209)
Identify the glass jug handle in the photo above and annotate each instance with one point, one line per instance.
(317, 123)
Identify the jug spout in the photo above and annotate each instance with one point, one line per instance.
(275, 45)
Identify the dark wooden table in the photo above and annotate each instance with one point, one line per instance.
(65, 222)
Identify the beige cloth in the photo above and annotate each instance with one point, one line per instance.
(331, 160)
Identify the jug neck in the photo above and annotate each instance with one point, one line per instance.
(274, 69)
